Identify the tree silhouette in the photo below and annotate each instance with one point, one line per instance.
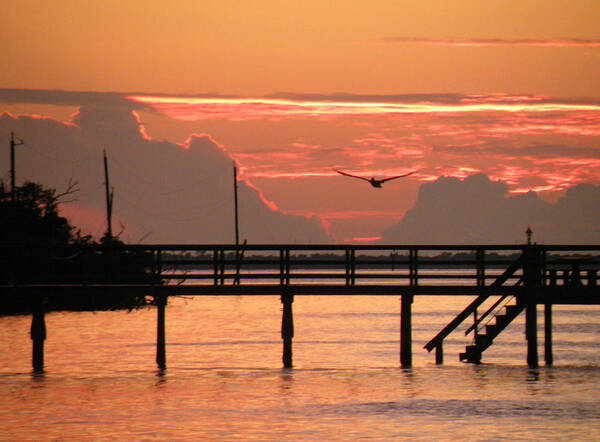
(32, 234)
(33, 217)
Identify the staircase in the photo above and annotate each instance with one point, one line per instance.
(437, 341)
(483, 341)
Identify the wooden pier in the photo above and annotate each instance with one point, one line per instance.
(516, 278)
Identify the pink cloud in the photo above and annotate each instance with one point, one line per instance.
(240, 109)
(354, 214)
(363, 239)
(531, 142)
(141, 127)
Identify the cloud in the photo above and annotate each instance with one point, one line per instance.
(479, 42)
(491, 133)
(476, 210)
(530, 142)
(66, 98)
(180, 193)
(243, 109)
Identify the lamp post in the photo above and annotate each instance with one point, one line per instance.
(528, 232)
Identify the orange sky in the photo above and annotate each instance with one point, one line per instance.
(258, 47)
(446, 87)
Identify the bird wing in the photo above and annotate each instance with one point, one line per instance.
(397, 176)
(353, 176)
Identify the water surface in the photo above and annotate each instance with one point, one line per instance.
(224, 378)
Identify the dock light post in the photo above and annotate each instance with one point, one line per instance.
(528, 232)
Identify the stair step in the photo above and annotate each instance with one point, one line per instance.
(472, 355)
(513, 309)
(492, 329)
(483, 342)
(500, 319)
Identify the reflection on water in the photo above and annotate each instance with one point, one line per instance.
(224, 378)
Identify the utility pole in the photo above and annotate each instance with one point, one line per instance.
(13, 143)
(109, 199)
(235, 197)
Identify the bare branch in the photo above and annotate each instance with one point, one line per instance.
(144, 237)
(72, 187)
(122, 230)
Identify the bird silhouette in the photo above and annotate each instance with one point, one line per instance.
(374, 182)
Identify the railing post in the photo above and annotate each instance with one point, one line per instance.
(480, 268)
(38, 335)
(352, 266)
(159, 263)
(543, 267)
(287, 326)
(347, 265)
(216, 266)
(153, 264)
(281, 267)
(222, 266)
(406, 331)
(413, 267)
(287, 266)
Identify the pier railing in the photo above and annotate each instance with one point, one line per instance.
(337, 269)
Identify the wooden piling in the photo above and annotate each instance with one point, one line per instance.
(531, 334)
(406, 331)
(161, 352)
(287, 327)
(548, 357)
(38, 335)
(439, 354)
(532, 278)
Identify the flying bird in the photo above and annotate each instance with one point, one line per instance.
(374, 182)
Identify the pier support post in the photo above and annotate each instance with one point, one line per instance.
(532, 277)
(406, 332)
(548, 357)
(161, 352)
(439, 354)
(287, 327)
(38, 335)
(531, 334)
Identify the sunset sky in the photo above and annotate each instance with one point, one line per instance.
(292, 90)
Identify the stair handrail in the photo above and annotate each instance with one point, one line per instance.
(482, 317)
(492, 309)
(459, 319)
